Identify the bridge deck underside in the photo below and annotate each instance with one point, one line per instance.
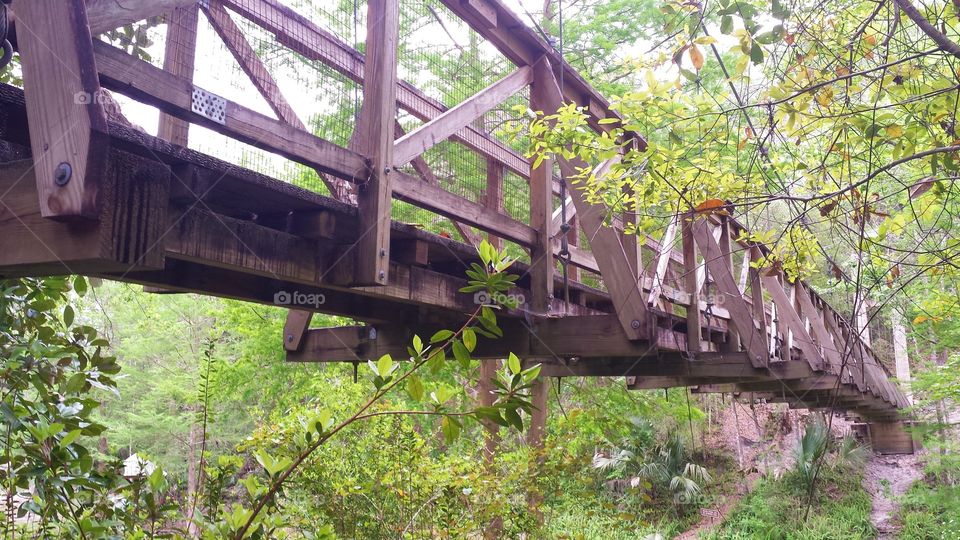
(176, 220)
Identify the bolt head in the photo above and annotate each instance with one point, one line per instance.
(289, 338)
(635, 324)
(62, 174)
(383, 274)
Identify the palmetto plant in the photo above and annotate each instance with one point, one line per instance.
(667, 468)
(811, 449)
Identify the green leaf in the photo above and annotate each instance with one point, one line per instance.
(726, 24)
(417, 345)
(450, 428)
(461, 353)
(68, 315)
(756, 53)
(80, 285)
(415, 388)
(469, 339)
(513, 363)
(70, 437)
(385, 363)
(442, 335)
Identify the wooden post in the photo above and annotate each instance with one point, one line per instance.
(494, 196)
(726, 248)
(541, 208)
(375, 140)
(179, 59)
(692, 286)
(62, 92)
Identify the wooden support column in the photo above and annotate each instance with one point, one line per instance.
(541, 204)
(375, 140)
(62, 91)
(494, 196)
(690, 266)
(179, 59)
(726, 249)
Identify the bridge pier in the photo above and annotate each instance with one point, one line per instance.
(891, 438)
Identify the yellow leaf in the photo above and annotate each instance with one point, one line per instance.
(920, 319)
(894, 130)
(696, 57)
(824, 98)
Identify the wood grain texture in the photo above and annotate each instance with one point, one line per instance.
(67, 121)
(179, 59)
(453, 120)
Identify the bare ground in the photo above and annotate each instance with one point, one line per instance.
(886, 479)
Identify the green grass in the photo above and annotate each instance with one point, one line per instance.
(774, 511)
(930, 512)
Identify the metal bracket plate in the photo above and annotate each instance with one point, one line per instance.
(210, 106)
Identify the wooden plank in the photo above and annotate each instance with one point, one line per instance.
(663, 259)
(690, 272)
(142, 81)
(179, 59)
(726, 247)
(493, 198)
(375, 140)
(105, 15)
(295, 328)
(67, 121)
(541, 203)
(793, 322)
(436, 199)
(750, 338)
(453, 120)
(830, 352)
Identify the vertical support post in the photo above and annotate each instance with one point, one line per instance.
(631, 246)
(179, 59)
(726, 248)
(863, 320)
(375, 140)
(62, 92)
(494, 197)
(488, 372)
(756, 296)
(541, 210)
(692, 285)
(573, 240)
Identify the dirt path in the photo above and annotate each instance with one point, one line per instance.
(886, 479)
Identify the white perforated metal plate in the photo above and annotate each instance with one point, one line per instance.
(209, 106)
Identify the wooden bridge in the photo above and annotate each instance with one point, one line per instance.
(84, 192)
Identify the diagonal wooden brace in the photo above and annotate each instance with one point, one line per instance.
(750, 338)
(68, 125)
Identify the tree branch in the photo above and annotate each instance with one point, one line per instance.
(929, 29)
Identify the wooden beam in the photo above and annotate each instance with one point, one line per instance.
(830, 352)
(67, 120)
(663, 260)
(375, 140)
(453, 120)
(179, 59)
(106, 15)
(752, 340)
(493, 199)
(786, 313)
(541, 202)
(174, 95)
(690, 271)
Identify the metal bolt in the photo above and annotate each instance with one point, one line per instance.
(63, 173)
(289, 338)
(373, 333)
(635, 324)
(383, 274)
(383, 253)
(386, 170)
